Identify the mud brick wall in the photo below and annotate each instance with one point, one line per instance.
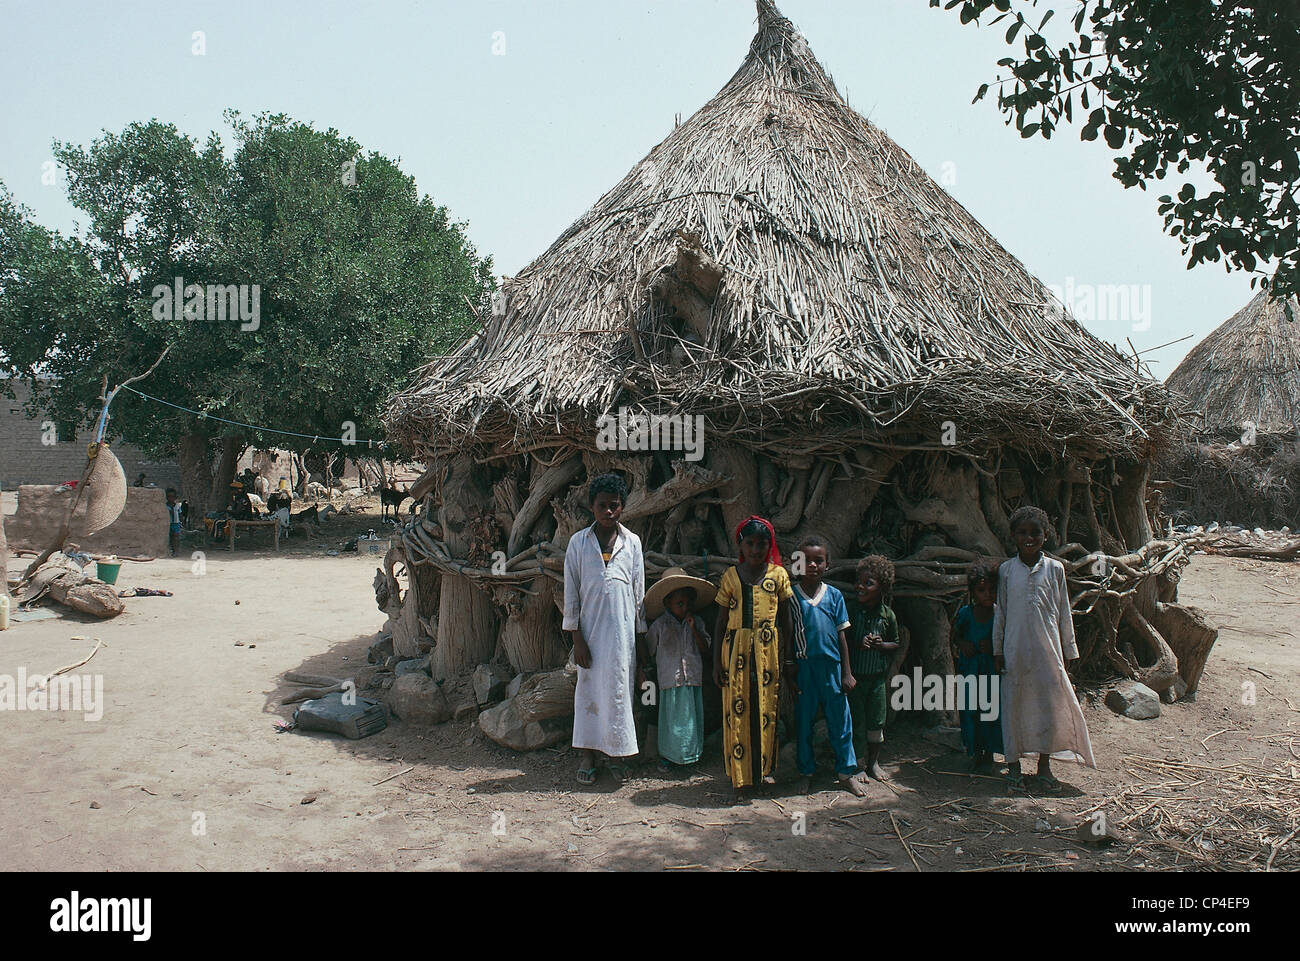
(140, 530)
(24, 459)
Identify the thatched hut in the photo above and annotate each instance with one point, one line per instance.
(1245, 376)
(865, 360)
(1240, 457)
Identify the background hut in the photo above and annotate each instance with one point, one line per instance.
(867, 361)
(1240, 459)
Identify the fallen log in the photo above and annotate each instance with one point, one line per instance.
(65, 584)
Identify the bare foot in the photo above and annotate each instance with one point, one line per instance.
(803, 785)
(853, 785)
(877, 772)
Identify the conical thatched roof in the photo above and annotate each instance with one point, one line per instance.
(856, 296)
(1248, 369)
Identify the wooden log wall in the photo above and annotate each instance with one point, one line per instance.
(486, 550)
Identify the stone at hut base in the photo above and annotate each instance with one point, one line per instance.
(466, 709)
(1175, 691)
(415, 699)
(504, 725)
(489, 684)
(1134, 700)
(411, 666)
(513, 687)
(381, 650)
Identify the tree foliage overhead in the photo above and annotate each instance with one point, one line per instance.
(1169, 84)
(360, 278)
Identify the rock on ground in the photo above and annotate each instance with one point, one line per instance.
(411, 666)
(380, 651)
(513, 687)
(489, 684)
(1175, 691)
(1134, 700)
(504, 724)
(415, 699)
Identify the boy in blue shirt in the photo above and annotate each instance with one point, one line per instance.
(824, 677)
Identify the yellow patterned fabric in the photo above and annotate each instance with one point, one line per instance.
(750, 642)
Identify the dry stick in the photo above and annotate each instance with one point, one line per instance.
(903, 842)
(986, 777)
(995, 867)
(311, 693)
(391, 776)
(1211, 737)
(42, 681)
(1268, 866)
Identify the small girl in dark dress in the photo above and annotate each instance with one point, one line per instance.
(973, 632)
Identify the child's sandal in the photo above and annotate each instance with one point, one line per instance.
(586, 775)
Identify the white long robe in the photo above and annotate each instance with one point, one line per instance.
(604, 601)
(1033, 630)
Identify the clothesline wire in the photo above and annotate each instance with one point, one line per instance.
(314, 438)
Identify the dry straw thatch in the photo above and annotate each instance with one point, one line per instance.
(1248, 369)
(783, 268)
(1247, 372)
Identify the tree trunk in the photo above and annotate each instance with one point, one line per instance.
(1130, 499)
(1190, 637)
(994, 513)
(196, 473)
(1158, 665)
(530, 638)
(954, 507)
(740, 493)
(231, 447)
(846, 502)
(298, 462)
(467, 620)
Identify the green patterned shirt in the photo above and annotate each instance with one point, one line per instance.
(878, 620)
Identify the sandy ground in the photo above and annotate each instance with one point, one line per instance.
(184, 771)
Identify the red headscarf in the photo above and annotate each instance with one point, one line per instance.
(773, 555)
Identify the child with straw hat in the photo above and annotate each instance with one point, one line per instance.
(677, 641)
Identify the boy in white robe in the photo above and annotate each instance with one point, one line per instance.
(604, 587)
(1033, 641)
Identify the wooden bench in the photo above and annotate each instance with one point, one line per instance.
(273, 524)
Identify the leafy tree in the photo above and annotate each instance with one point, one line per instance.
(1168, 83)
(357, 278)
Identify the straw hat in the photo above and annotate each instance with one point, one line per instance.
(673, 579)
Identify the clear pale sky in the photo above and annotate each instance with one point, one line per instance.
(518, 144)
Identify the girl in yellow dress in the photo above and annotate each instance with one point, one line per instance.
(754, 632)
